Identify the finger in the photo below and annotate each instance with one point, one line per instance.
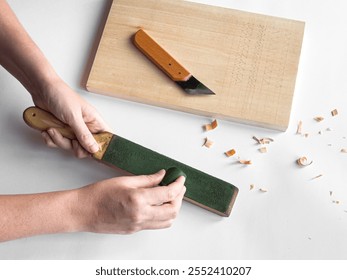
(145, 181)
(165, 194)
(84, 135)
(79, 151)
(59, 140)
(158, 225)
(165, 212)
(48, 140)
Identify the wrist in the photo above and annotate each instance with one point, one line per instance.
(81, 211)
(41, 87)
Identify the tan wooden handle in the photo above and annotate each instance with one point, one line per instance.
(42, 120)
(160, 57)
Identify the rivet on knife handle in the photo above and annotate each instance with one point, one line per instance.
(168, 64)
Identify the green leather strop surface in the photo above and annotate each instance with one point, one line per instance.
(201, 187)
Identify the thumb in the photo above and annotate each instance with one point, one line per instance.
(149, 181)
(84, 136)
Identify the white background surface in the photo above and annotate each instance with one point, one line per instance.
(295, 219)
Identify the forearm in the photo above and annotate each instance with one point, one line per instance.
(35, 214)
(20, 55)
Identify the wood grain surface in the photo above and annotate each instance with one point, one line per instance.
(249, 60)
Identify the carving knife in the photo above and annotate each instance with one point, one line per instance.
(169, 65)
(203, 190)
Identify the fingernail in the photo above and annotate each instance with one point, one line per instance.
(50, 131)
(161, 171)
(94, 148)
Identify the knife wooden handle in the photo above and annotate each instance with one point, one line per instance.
(160, 57)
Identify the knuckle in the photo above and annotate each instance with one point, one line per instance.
(51, 144)
(170, 194)
(136, 218)
(136, 203)
(168, 224)
(136, 199)
(132, 229)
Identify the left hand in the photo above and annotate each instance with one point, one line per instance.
(59, 99)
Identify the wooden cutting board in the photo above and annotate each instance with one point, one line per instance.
(249, 60)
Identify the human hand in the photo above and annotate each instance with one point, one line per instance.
(69, 107)
(129, 204)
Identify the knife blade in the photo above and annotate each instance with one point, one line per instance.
(169, 65)
(203, 189)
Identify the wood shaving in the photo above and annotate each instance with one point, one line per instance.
(303, 161)
(343, 150)
(230, 153)
(299, 129)
(251, 187)
(256, 139)
(246, 162)
(318, 176)
(334, 112)
(208, 143)
(318, 119)
(263, 141)
(263, 190)
(263, 150)
(211, 126)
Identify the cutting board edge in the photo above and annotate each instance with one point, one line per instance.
(278, 127)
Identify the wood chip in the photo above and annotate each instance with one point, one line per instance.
(299, 129)
(230, 153)
(334, 112)
(246, 162)
(208, 143)
(263, 150)
(331, 193)
(263, 190)
(303, 161)
(211, 126)
(306, 135)
(251, 187)
(263, 141)
(343, 150)
(336, 201)
(318, 119)
(318, 176)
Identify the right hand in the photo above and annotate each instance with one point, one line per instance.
(129, 204)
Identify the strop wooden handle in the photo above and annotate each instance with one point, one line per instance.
(160, 57)
(42, 120)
